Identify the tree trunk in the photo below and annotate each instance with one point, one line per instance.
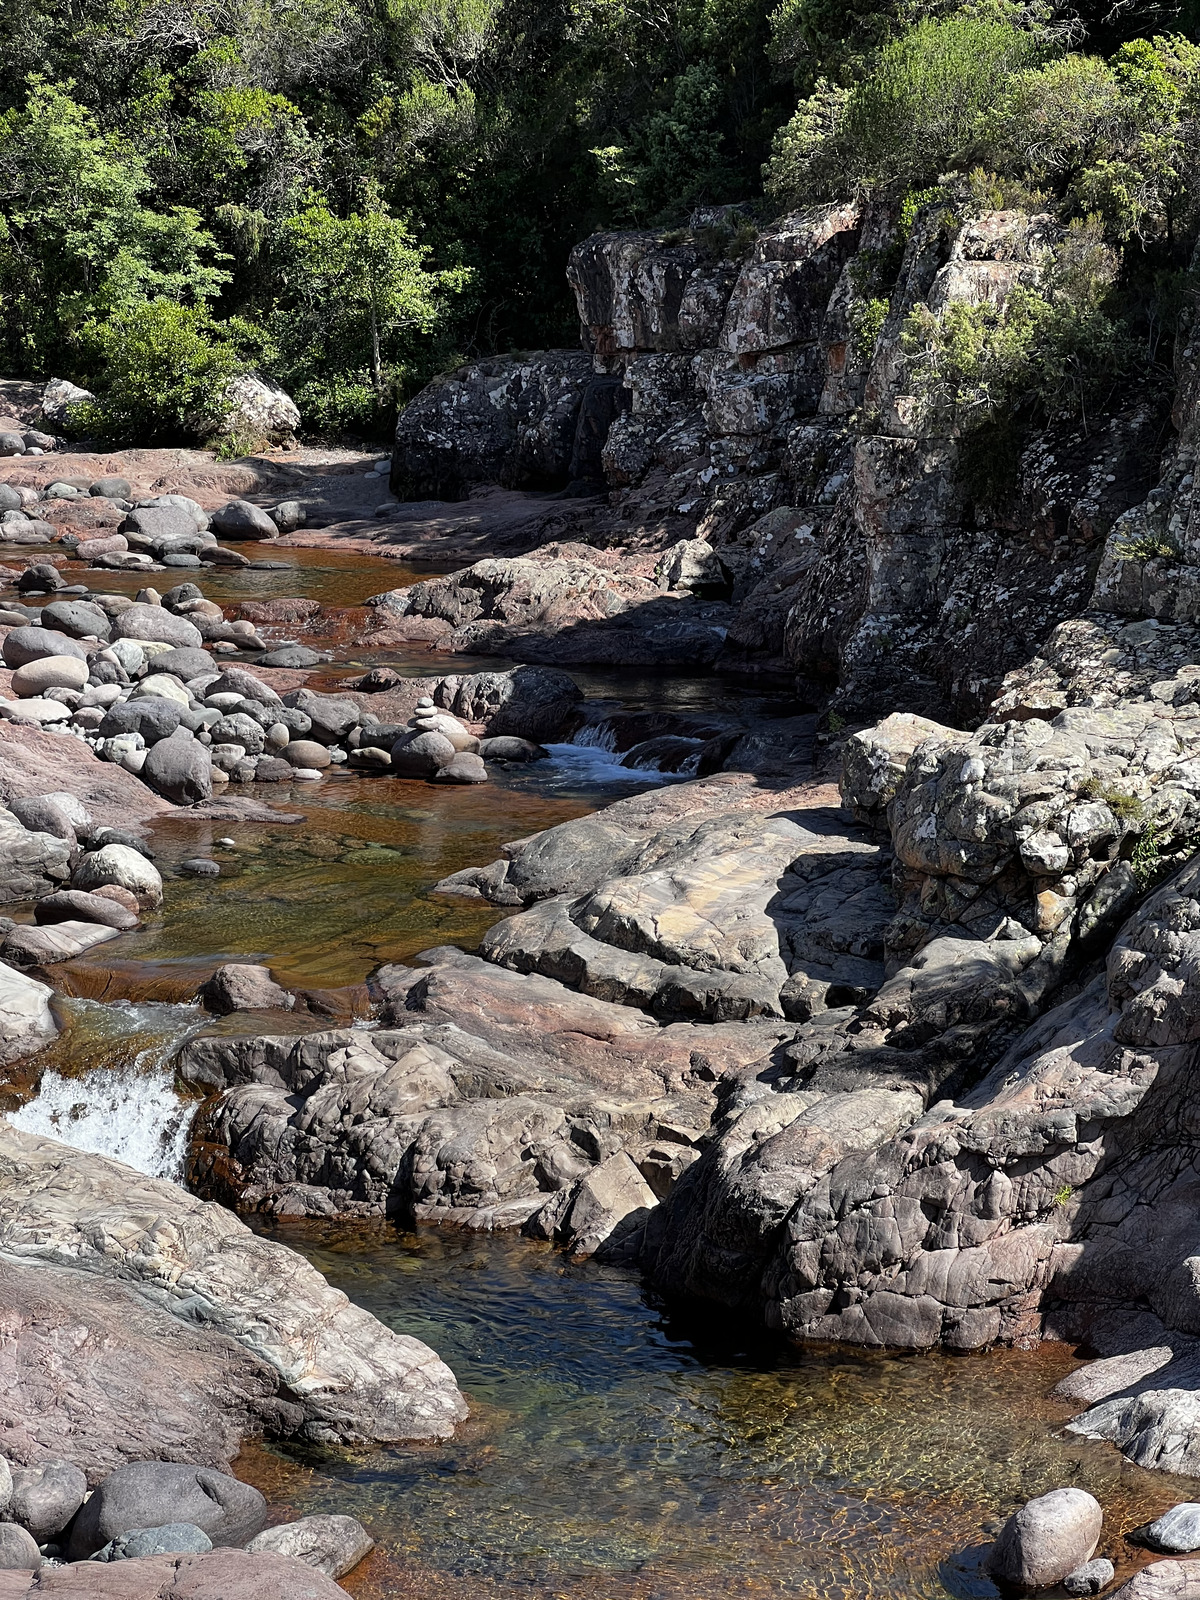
(376, 363)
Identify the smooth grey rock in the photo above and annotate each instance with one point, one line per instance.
(172, 1537)
(77, 619)
(157, 625)
(151, 1494)
(152, 716)
(463, 767)
(41, 814)
(46, 1497)
(421, 755)
(333, 1545)
(180, 770)
(291, 655)
(1051, 1535)
(18, 1550)
(1090, 1578)
(239, 520)
(22, 645)
(112, 488)
(185, 664)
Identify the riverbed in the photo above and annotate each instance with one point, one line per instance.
(615, 1450)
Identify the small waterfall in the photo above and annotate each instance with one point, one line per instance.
(109, 1087)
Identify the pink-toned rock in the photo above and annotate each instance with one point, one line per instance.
(33, 762)
(89, 549)
(218, 1575)
(1163, 1580)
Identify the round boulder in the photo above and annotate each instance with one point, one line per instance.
(117, 863)
(51, 672)
(157, 624)
(18, 1549)
(154, 1494)
(1046, 1539)
(420, 755)
(154, 717)
(239, 520)
(23, 645)
(46, 1497)
(180, 770)
(242, 986)
(306, 753)
(185, 664)
(112, 489)
(465, 767)
(78, 619)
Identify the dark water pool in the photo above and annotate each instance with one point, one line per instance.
(617, 1453)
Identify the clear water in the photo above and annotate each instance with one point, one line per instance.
(617, 1452)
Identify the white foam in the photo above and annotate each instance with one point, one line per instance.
(124, 1106)
(591, 763)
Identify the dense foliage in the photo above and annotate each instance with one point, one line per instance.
(351, 194)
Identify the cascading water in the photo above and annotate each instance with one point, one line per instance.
(108, 1085)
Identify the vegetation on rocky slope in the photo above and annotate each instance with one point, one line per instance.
(348, 195)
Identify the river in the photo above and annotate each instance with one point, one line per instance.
(615, 1450)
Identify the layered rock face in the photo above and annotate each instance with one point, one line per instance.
(774, 448)
(303, 1356)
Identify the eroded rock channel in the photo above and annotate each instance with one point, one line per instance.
(680, 891)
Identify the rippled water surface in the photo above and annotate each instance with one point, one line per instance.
(616, 1454)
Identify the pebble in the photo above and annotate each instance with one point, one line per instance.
(200, 867)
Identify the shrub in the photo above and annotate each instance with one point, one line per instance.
(164, 369)
(910, 118)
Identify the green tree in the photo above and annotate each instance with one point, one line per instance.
(78, 243)
(356, 292)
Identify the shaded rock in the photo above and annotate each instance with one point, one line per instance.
(508, 749)
(291, 655)
(18, 1549)
(112, 488)
(78, 619)
(1048, 1537)
(151, 1494)
(46, 1497)
(240, 986)
(180, 770)
(463, 767)
(331, 716)
(1090, 1578)
(237, 680)
(333, 1545)
(42, 814)
(421, 755)
(185, 664)
(31, 863)
(183, 1537)
(75, 905)
(58, 397)
(152, 717)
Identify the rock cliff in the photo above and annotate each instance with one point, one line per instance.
(765, 430)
